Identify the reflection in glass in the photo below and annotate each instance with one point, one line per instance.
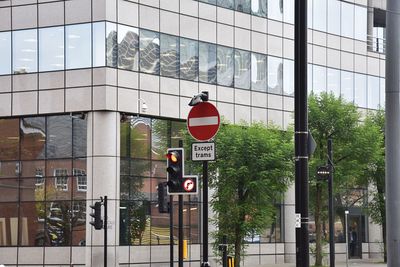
(333, 78)
(360, 23)
(149, 52)
(140, 138)
(33, 138)
(59, 136)
(31, 224)
(207, 62)
(319, 79)
(288, 77)
(346, 91)
(58, 223)
(8, 190)
(275, 75)
(128, 47)
(51, 49)
(24, 51)
(99, 44)
(259, 8)
(159, 141)
(373, 92)
(288, 11)
(111, 45)
(347, 28)
(319, 15)
(79, 129)
(78, 224)
(189, 59)
(275, 9)
(5, 53)
(225, 3)
(225, 66)
(242, 69)
(242, 6)
(78, 40)
(9, 146)
(169, 55)
(334, 17)
(258, 72)
(360, 90)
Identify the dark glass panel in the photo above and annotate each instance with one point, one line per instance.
(9, 216)
(149, 52)
(9, 139)
(58, 188)
(79, 137)
(59, 136)
(189, 59)
(9, 190)
(31, 224)
(169, 55)
(159, 168)
(125, 134)
(111, 45)
(32, 189)
(177, 132)
(159, 226)
(58, 223)
(140, 137)
(9, 169)
(78, 223)
(33, 138)
(32, 169)
(259, 8)
(225, 3)
(243, 6)
(159, 138)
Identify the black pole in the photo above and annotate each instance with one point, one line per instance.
(224, 251)
(105, 230)
(171, 231)
(331, 207)
(205, 215)
(180, 224)
(301, 133)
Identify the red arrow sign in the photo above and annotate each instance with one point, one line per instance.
(203, 121)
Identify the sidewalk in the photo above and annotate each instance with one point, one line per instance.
(351, 263)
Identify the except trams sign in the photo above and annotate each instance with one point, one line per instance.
(203, 151)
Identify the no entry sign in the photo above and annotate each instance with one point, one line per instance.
(203, 121)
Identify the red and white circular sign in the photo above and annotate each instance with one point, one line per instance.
(203, 121)
(188, 185)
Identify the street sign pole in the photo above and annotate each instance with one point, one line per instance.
(205, 214)
(180, 223)
(331, 207)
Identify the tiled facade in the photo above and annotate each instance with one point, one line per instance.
(105, 58)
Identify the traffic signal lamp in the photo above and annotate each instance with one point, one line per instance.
(175, 170)
(97, 222)
(163, 198)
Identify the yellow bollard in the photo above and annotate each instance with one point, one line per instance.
(231, 262)
(185, 249)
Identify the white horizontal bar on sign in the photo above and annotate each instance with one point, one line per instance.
(203, 121)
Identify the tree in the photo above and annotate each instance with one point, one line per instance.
(253, 169)
(354, 148)
(375, 175)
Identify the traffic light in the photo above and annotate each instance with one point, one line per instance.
(98, 222)
(175, 170)
(163, 198)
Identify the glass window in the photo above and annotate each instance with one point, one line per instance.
(5, 53)
(373, 92)
(189, 58)
(9, 145)
(59, 136)
(288, 11)
(81, 179)
(128, 47)
(225, 3)
(275, 75)
(333, 85)
(242, 69)
(360, 90)
(140, 138)
(33, 138)
(259, 8)
(288, 77)
(61, 179)
(149, 52)
(79, 129)
(225, 66)
(111, 45)
(242, 5)
(79, 46)
(24, 51)
(319, 15)
(346, 90)
(51, 49)
(347, 28)
(360, 23)
(258, 72)
(334, 17)
(310, 14)
(169, 55)
(207, 62)
(99, 44)
(319, 79)
(275, 9)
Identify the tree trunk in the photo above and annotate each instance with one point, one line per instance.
(318, 226)
(238, 246)
(382, 209)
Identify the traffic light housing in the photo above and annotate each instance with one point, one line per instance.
(163, 198)
(97, 222)
(175, 170)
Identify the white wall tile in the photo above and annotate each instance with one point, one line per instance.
(360, 47)
(75, 78)
(207, 11)
(225, 94)
(275, 46)
(5, 82)
(319, 38)
(288, 103)
(169, 85)
(172, 5)
(258, 99)
(319, 55)
(189, 7)
(5, 19)
(188, 88)
(128, 13)
(149, 82)
(99, 10)
(51, 14)
(258, 24)
(347, 61)
(25, 82)
(288, 31)
(288, 48)
(128, 100)
(225, 15)
(211, 89)
(154, 3)
(51, 80)
(128, 79)
(207, 31)
(189, 27)
(24, 17)
(242, 39)
(51, 101)
(242, 20)
(347, 44)
(333, 41)
(274, 101)
(5, 105)
(78, 11)
(275, 27)
(360, 63)
(168, 106)
(169, 22)
(184, 108)
(333, 60)
(30, 255)
(242, 96)
(226, 111)
(152, 101)
(78, 99)
(149, 18)
(259, 42)
(242, 113)
(9, 256)
(225, 35)
(104, 98)
(259, 115)
(24, 103)
(275, 117)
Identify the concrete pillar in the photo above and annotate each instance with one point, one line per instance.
(289, 225)
(393, 132)
(103, 164)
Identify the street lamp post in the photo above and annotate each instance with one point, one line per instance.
(346, 213)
